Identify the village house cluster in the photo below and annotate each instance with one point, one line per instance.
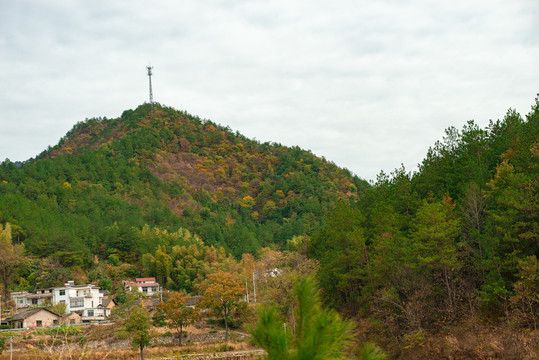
(83, 303)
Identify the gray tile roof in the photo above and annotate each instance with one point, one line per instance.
(26, 313)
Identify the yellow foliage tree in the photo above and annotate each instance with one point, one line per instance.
(11, 257)
(177, 314)
(222, 292)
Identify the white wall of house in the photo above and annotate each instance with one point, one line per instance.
(148, 290)
(23, 299)
(20, 298)
(147, 286)
(85, 299)
(37, 301)
(61, 296)
(82, 298)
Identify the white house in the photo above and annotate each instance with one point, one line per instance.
(24, 299)
(83, 299)
(86, 300)
(147, 286)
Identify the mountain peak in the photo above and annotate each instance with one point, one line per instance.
(180, 170)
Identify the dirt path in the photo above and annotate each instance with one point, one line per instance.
(244, 354)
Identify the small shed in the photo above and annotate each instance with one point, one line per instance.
(33, 318)
(71, 318)
(107, 306)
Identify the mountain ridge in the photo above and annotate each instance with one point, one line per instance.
(173, 169)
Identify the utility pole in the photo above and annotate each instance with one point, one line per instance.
(254, 286)
(150, 78)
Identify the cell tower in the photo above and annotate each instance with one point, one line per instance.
(150, 77)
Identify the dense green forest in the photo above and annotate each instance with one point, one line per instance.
(457, 239)
(160, 192)
(107, 179)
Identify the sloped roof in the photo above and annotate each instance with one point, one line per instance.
(71, 314)
(106, 302)
(26, 313)
(140, 283)
(149, 303)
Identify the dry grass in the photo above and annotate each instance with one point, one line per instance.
(102, 342)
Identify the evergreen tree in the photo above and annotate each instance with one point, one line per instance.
(318, 333)
(434, 245)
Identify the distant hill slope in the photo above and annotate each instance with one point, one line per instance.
(93, 192)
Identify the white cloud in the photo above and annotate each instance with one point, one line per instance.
(368, 85)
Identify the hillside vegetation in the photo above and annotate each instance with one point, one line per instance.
(456, 241)
(158, 192)
(94, 192)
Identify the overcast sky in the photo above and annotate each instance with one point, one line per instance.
(366, 84)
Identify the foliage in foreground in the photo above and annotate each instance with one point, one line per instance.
(319, 333)
(138, 326)
(457, 240)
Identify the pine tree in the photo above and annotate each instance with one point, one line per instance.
(319, 334)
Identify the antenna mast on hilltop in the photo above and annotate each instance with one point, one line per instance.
(150, 77)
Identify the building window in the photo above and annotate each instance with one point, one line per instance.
(62, 292)
(145, 289)
(20, 301)
(90, 313)
(62, 302)
(34, 301)
(39, 323)
(77, 302)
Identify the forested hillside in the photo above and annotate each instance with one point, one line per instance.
(111, 185)
(458, 240)
(158, 192)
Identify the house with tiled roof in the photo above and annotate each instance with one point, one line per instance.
(36, 317)
(107, 305)
(86, 300)
(83, 299)
(71, 318)
(149, 304)
(148, 286)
